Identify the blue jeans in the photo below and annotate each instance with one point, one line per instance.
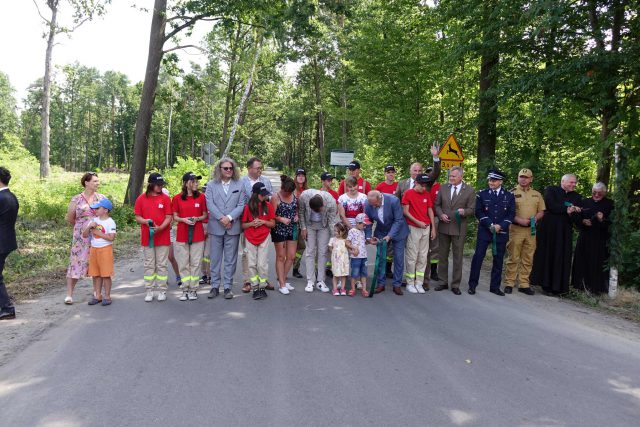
(358, 268)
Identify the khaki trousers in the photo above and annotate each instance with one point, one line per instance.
(415, 254)
(520, 250)
(188, 257)
(456, 244)
(155, 267)
(258, 262)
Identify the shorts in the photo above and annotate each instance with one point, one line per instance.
(276, 238)
(358, 267)
(101, 261)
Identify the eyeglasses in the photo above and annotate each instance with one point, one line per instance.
(226, 168)
(257, 168)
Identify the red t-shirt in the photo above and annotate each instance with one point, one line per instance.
(434, 192)
(383, 187)
(363, 186)
(192, 207)
(257, 235)
(155, 208)
(333, 192)
(419, 204)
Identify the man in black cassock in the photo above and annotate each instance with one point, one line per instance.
(590, 270)
(552, 260)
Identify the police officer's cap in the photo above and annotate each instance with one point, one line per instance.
(495, 174)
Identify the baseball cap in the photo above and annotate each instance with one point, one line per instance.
(354, 165)
(363, 218)
(325, 176)
(260, 188)
(190, 176)
(423, 178)
(526, 172)
(389, 168)
(103, 203)
(301, 171)
(156, 178)
(495, 174)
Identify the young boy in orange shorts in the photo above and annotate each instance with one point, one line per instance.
(103, 232)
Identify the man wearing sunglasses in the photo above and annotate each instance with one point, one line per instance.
(225, 202)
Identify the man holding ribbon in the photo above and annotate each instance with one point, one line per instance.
(522, 234)
(495, 210)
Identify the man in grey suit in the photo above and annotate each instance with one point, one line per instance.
(415, 169)
(225, 202)
(254, 174)
(454, 204)
(318, 215)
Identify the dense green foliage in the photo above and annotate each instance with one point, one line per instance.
(560, 86)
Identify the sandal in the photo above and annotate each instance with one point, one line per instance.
(352, 292)
(106, 301)
(68, 300)
(365, 293)
(94, 301)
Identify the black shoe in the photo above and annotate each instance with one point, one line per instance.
(441, 288)
(526, 291)
(425, 286)
(8, 313)
(456, 291)
(328, 272)
(228, 294)
(213, 293)
(389, 270)
(497, 292)
(204, 280)
(264, 293)
(508, 289)
(434, 272)
(471, 291)
(257, 293)
(297, 274)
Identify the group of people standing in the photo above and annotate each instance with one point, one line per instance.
(419, 222)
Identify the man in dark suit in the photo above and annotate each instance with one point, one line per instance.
(454, 205)
(385, 211)
(495, 210)
(8, 215)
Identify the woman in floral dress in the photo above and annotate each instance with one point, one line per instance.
(79, 214)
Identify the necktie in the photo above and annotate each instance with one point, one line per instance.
(455, 192)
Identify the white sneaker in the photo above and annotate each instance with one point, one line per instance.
(412, 289)
(162, 296)
(193, 295)
(149, 296)
(284, 290)
(420, 289)
(289, 287)
(358, 285)
(184, 296)
(321, 286)
(309, 287)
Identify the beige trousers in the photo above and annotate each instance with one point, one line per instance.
(188, 257)
(155, 267)
(258, 262)
(415, 254)
(520, 248)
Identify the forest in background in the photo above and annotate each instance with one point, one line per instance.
(549, 85)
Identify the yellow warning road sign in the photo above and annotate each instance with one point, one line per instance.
(451, 150)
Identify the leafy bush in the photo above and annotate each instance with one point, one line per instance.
(183, 165)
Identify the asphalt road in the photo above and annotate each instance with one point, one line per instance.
(315, 359)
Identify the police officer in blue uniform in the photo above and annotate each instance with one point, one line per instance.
(495, 210)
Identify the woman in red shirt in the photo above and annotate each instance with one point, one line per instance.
(189, 210)
(153, 213)
(258, 219)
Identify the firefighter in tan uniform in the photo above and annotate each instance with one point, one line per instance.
(522, 233)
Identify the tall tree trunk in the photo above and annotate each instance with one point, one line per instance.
(245, 97)
(319, 112)
(168, 151)
(231, 83)
(45, 167)
(145, 113)
(488, 110)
